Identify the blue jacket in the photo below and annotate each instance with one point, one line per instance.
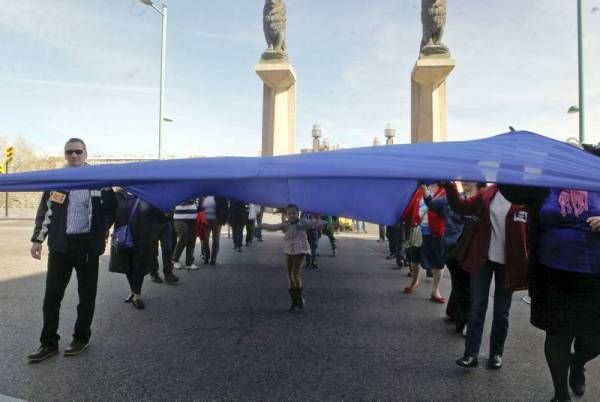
(454, 222)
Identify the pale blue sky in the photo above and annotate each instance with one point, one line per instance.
(91, 69)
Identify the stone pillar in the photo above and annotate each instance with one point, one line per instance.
(279, 108)
(429, 112)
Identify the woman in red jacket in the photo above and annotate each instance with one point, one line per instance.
(500, 224)
(430, 253)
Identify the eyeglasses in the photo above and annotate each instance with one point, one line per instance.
(73, 151)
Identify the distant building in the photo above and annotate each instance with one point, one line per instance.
(106, 160)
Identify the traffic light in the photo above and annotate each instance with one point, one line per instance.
(1, 168)
(9, 152)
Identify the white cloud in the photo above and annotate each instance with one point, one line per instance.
(83, 85)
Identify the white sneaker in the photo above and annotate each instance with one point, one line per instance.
(177, 265)
(192, 266)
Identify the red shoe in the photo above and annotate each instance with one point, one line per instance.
(408, 290)
(440, 300)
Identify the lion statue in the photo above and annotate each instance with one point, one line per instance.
(274, 22)
(433, 17)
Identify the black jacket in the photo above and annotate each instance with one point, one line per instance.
(51, 219)
(147, 223)
(238, 213)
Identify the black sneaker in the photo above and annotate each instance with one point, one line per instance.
(42, 353)
(156, 278)
(213, 262)
(76, 347)
(171, 278)
(467, 362)
(494, 362)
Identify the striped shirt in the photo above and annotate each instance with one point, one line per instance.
(187, 210)
(78, 212)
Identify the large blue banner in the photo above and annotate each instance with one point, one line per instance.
(372, 184)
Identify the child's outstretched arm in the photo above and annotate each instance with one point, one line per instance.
(317, 224)
(272, 227)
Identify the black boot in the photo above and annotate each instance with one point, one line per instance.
(299, 299)
(292, 292)
(577, 379)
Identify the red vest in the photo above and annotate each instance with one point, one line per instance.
(437, 223)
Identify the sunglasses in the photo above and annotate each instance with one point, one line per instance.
(73, 151)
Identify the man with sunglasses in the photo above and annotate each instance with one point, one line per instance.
(76, 224)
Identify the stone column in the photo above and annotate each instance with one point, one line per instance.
(429, 112)
(279, 108)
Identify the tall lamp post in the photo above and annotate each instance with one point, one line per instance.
(163, 51)
(581, 107)
(580, 65)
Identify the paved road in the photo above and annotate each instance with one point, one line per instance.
(224, 333)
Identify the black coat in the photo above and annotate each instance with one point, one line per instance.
(51, 219)
(238, 213)
(147, 223)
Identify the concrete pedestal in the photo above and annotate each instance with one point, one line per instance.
(279, 108)
(429, 112)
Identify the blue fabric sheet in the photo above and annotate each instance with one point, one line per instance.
(372, 184)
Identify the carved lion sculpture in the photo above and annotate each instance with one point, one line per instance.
(433, 17)
(274, 22)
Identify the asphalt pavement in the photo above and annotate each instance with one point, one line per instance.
(224, 333)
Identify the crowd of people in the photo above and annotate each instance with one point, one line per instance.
(543, 240)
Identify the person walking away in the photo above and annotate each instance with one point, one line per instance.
(390, 233)
(259, 218)
(165, 238)
(184, 219)
(217, 211)
(498, 249)
(253, 210)
(429, 254)
(295, 249)
(75, 223)
(145, 223)
(238, 216)
(330, 233)
(312, 235)
(381, 234)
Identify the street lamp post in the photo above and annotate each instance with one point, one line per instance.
(163, 52)
(580, 65)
